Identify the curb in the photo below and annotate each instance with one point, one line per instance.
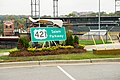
(12, 64)
(106, 60)
(63, 62)
(57, 62)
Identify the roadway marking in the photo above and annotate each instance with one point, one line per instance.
(68, 75)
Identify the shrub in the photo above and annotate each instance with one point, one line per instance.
(81, 46)
(31, 49)
(76, 42)
(23, 43)
(65, 47)
(39, 49)
(76, 39)
(14, 50)
(49, 48)
(61, 47)
(69, 40)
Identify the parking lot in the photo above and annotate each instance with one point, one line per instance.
(88, 71)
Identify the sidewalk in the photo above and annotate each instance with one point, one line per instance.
(4, 54)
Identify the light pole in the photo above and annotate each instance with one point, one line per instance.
(99, 14)
(106, 32)
(99, 20)
(39, 12)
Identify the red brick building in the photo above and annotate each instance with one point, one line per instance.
(8, 28)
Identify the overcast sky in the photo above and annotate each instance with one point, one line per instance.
(19, 7)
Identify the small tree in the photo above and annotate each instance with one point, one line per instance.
(69, 40)
(76, 42)
(76, 39)
(23, 43)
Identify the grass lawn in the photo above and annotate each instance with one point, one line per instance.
(8, 50)
(4, 50)
(86, 55)
(90, 42)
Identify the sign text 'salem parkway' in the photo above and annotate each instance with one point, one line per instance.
(41, 34)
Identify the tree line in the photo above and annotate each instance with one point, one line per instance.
(72, 14)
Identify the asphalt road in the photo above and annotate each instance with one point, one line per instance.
(89, 71)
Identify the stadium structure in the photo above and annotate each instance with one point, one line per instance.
(84, 24)
(79, 24)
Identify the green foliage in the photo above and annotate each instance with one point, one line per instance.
(32, 49)
(9, 50)
(13, 50)
(72, 15)
(90, 42)
(23, 43)
(66, 47)
(117, 13)
(76, 39)
(69, 40)
(104, 14)
(81, 46)
(49, 48)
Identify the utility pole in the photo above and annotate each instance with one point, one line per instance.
(99, 15)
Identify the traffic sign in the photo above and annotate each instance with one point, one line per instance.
(41, 34)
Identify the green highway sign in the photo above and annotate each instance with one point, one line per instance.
(41, 34)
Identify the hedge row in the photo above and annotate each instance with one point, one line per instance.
(53, 52)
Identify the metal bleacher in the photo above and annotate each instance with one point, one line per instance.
(80, 29)
(88, 28)
(96, 32)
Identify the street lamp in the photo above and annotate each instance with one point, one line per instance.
(106, 32)
(99, 20)
(39, 11)
(99, 14)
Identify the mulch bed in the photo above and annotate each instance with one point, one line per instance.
(53, 52)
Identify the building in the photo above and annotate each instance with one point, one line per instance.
(8, 28)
